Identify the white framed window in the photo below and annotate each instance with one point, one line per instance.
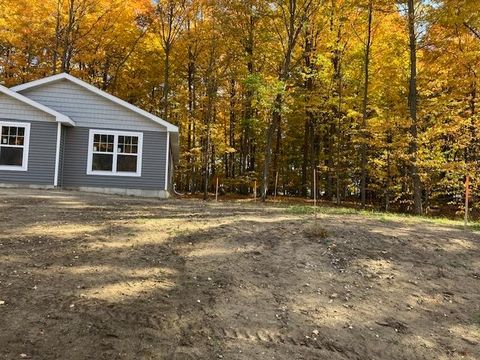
(14, 142)
(117, 153)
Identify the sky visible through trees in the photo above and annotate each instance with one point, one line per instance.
(379, 96)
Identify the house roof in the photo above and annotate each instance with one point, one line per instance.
(170, 127)
(61, 118)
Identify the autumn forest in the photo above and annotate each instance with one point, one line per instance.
(379, 97)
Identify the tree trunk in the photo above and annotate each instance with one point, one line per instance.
(305, 156)
(363, 148)
(296, 17)
(329, 161)
(205, 164)
(248, 141)
(387, 190)
(307, 146)
(211, 91)
(166, 81)
(68, 38)
(334, 148)
(191, 110)
(57, 37)
(278, 147)
(276, 119)
(231, 155)
(412, 102)
(206, 145)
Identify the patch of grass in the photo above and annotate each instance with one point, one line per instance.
(308, 209)
(383, 218)
(475, 226)
(378, 215)
(476, 319)
(316, 232)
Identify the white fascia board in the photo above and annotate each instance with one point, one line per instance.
(169, 127)
(58, 116)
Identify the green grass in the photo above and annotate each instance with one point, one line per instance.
(476, 319)
(381, 216)
(308, 209)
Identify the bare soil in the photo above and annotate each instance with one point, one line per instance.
(86, 276)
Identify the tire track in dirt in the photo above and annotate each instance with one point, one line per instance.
(269, 338)
(220, 336)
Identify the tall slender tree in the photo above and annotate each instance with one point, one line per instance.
(171, 16)
(366, 83)
(412, 104)
(293, 17)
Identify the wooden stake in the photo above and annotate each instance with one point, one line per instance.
(255, 191)
(276, 185)
(467, 195)
(216, 191)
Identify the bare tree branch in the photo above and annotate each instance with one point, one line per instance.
(474, 31)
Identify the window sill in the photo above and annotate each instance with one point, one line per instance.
(109, 173)
(13, 168)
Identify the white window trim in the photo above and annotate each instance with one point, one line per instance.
(114, 172)
(26, 145)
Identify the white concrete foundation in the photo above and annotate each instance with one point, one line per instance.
(27, 186)
(160, 194)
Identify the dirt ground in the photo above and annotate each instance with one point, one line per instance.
(87, 276)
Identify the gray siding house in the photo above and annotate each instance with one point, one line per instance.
(62, 132)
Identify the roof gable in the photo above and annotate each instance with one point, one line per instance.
(58, 116)
(169, 127)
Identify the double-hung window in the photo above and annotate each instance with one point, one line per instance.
(14, 140)
(115, 153)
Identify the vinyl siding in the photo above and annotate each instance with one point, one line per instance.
(41, 157)
(11, 108)
(88, 109)
(76, 155)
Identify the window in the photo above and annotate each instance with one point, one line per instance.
(114, 153)
(14, 140)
